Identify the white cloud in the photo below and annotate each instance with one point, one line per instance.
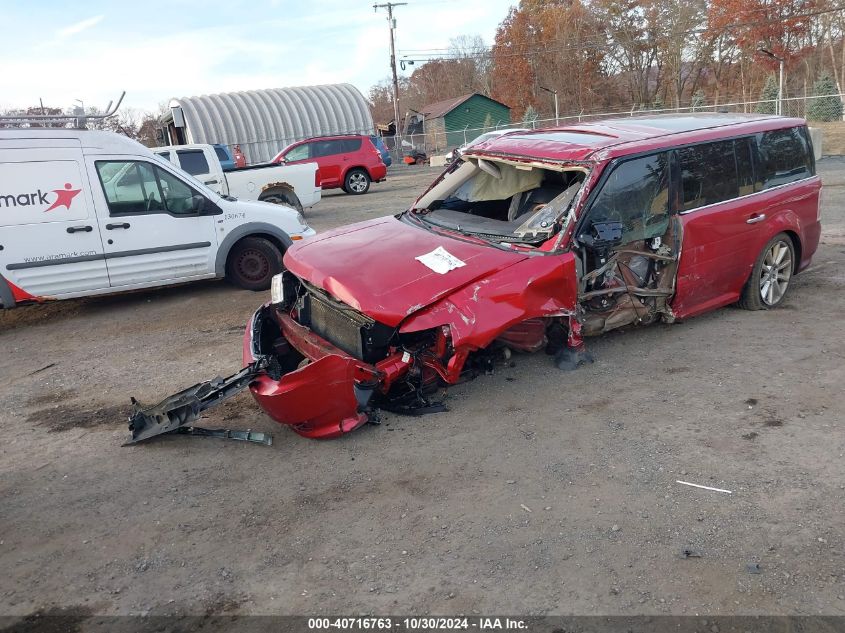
(80, 26)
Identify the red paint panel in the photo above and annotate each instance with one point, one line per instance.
(393, 285)
(478, 313)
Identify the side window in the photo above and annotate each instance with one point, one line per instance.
(178, 197)
(165, 156)
(221, 153)
(708, 174)
(129, 187)
(745, 166)
(785, 157)
(193, 161)
(298, 153)
(637, 194)
(133, 187)
(351, 145)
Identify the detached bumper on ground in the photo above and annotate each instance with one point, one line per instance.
(322, 391)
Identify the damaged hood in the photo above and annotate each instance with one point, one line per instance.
(372, 266)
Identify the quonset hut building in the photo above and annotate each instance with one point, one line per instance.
(263, 122)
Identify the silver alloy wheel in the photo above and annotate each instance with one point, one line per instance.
(358, 182)
(775, 273)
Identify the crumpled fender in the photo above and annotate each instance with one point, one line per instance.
(540, 286)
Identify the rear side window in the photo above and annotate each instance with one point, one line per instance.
(637, 194)
(193, 161)
(708, 174)
(784, 157)
(351, 145)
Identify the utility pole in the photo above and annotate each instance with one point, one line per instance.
(780, 60)
(391, 21)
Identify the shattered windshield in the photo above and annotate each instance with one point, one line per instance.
(502, 201)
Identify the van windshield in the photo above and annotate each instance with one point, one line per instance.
(503, 201)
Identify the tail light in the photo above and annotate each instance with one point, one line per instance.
(317, 181)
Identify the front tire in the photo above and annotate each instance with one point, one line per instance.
(357, 182)
(253, 262)
(770, 277)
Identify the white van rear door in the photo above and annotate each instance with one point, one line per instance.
(152, 234)
(50, 242)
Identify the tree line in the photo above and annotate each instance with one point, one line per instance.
(607, 55)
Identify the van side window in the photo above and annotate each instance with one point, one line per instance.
(743, 148)
(708, 174)
(133, 187)
(637, 194)
(785, 157)
(130, 187)
(193, 161)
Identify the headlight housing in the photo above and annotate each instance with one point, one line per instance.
(277, 289)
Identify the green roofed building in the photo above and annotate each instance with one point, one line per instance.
(455, 121)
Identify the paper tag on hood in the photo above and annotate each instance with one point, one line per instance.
(440, 260)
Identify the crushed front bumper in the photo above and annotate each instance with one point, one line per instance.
(327, 392)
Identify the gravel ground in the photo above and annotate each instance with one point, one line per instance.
(539, 492)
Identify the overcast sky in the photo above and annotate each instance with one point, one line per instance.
(91, 50)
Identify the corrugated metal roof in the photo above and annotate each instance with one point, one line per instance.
(263, 122)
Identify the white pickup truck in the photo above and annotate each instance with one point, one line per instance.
(297, 186)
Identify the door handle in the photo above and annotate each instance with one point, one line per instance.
(754, 219)
(119, 225)
(81, 229)
(209, 182)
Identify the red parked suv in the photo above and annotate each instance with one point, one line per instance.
(350, 162)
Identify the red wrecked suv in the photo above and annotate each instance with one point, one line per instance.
(531, 240)
(535, 240)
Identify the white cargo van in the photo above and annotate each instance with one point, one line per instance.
(86, 213)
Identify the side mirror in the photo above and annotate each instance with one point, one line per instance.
(604, 234)
(198, 203)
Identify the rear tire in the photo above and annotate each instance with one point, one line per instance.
(285, 197)
(357, 182)
(252, 263)
(770, 277)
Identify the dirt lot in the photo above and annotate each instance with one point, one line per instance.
(540, 492)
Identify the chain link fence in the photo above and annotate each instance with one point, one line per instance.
(824, 112)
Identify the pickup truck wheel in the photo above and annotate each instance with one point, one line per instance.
(252, 262)
(357, 181)
(770, 276)
(288, 198)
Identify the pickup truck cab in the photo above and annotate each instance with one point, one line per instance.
(297, 185)
(87, 213)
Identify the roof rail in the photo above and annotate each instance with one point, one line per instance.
(78, 120)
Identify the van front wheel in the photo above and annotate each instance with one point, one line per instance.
(252, 262)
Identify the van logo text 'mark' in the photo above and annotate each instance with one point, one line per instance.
(64, 198)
